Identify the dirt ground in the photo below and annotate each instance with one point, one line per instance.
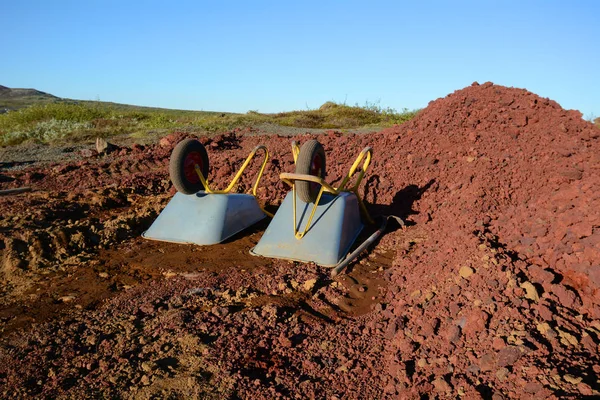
(491, 290)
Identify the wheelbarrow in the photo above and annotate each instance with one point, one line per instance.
(200, 214)
(325, 220)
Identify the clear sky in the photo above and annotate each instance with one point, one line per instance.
(281, 55)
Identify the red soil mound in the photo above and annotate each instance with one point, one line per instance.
(506, 185)
(509, 162)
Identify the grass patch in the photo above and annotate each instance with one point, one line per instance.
(341, 116)
(79, 120)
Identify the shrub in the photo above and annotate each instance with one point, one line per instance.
(45, 131)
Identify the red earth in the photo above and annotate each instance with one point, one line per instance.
(492, 290)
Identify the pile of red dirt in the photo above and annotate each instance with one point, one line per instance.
(508, 162)
(506, 185)
(492, 289)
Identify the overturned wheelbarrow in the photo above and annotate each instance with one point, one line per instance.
(198, 214)
(317, 222)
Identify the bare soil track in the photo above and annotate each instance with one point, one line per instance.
(491, 291)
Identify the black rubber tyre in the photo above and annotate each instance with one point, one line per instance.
(311, 161)
(185, 155)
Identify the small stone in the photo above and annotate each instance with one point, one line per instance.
(441, 385)
(498, 343)
(502, 374)
(102, 146)
(454, 290)
(545, 313)
(422, 363)
(454, 307)
(416, 293)
(514, 338)
(453, 334)
(146, 366)
(543, 327)
(540, 275)
(91, 340)
(588, 342)
(145, 380)
(405, 345)
(584, 389)
(220, 311)
(66, 299)
(508, 356)
(476, 322)
(572, 379)
(285, 341)
(565, 296)
(530, 291)
(487, 362)
(567, 339)
(309, 285)
(532, 387)
(466, 272)
(165, 141)
(103, 275)
(473, 369)
(428, 328)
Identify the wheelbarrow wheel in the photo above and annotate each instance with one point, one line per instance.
(311, 161)
(185, 156)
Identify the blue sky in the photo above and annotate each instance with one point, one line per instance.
(277, 56)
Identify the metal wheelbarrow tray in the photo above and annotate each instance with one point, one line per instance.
(207, 216)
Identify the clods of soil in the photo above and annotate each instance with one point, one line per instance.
(491, 290)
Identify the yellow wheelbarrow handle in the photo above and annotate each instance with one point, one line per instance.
(239, 174)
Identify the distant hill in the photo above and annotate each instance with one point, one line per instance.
(13, 99)
(6, 92)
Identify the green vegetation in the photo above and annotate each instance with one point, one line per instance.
(79, 120)
(341, 116)
(24, 101)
